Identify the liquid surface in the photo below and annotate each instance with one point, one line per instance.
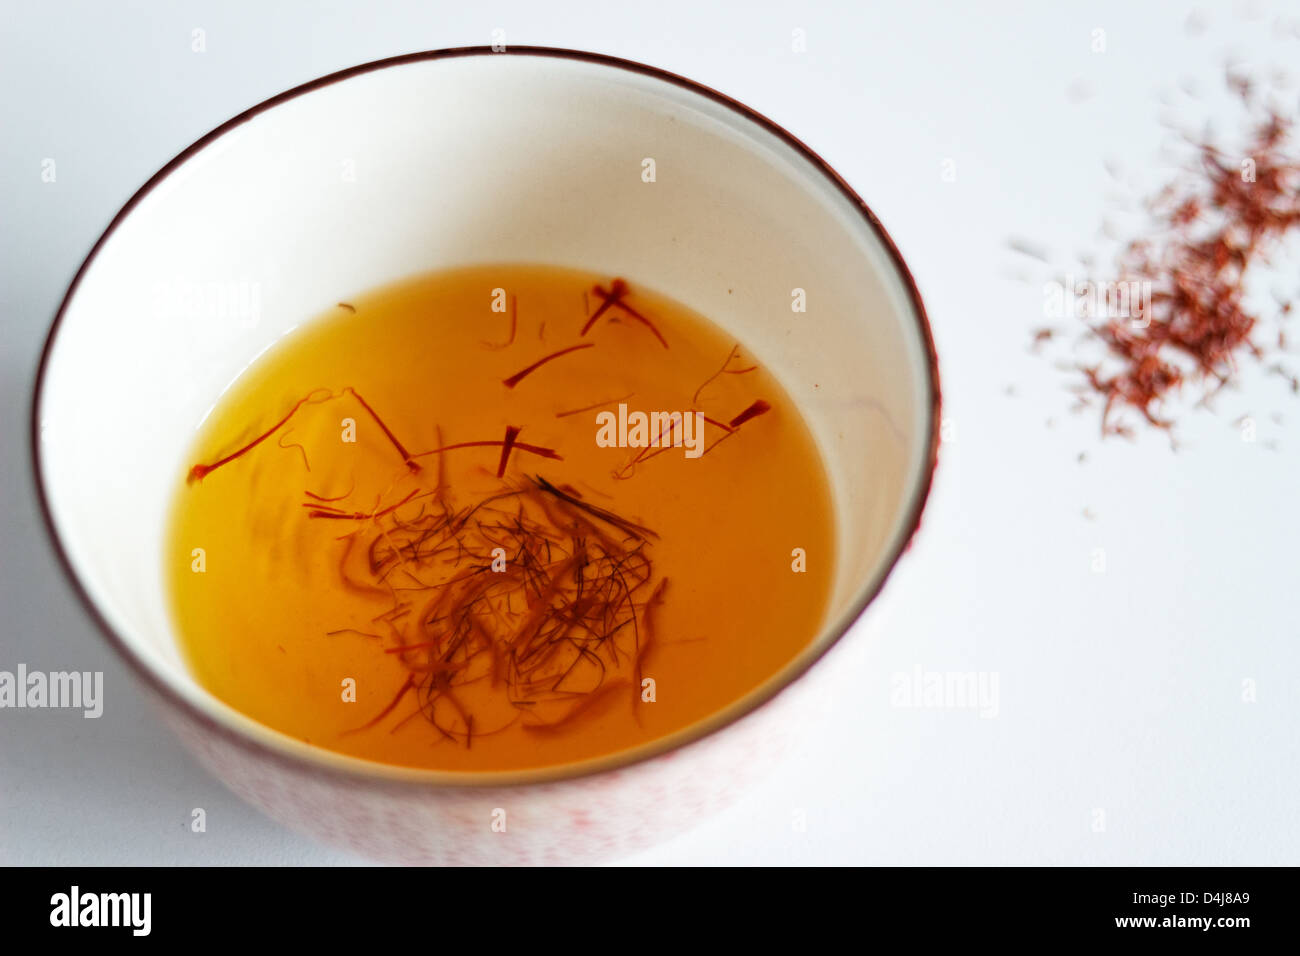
(346, 569)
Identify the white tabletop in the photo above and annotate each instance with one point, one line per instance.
(1121, 734)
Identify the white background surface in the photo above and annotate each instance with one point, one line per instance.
(1118, 691)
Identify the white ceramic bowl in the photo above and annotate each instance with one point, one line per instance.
(450, 158)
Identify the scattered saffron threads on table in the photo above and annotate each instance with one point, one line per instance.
(1196, 320)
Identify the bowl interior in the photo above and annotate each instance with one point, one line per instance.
(453, 160)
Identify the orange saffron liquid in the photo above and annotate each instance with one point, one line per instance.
(432, 560)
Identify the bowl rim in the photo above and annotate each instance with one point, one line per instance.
(358, 770)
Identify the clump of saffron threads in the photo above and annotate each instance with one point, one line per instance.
(519, 376)
(1211, 230)
(558, 633)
